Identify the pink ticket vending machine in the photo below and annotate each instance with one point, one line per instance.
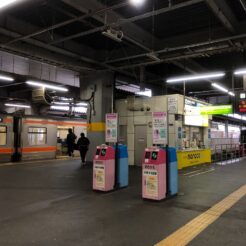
(154, 174)
(104, 168)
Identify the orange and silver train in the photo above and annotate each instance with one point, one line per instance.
(33, 138)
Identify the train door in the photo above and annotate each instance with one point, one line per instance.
(62, 132)
(6, 139)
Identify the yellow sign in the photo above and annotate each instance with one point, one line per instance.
(188, 158)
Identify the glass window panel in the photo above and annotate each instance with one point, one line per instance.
(37, 136)
(3, 129)
(3, 139)
(37, 130)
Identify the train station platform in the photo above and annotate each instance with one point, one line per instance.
(52, 203)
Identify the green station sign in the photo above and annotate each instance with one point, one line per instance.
(216, 110)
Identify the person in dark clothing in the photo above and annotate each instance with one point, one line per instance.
(83, 146)
(71, 137)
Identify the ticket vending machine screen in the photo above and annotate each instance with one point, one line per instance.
(154, 155)
(103, 153)
(98, 152)
(147, 155)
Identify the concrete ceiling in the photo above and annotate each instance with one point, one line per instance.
(186, 36)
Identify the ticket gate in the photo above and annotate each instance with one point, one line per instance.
(104, 168)
(154, 185)
(109, 174)
(160, 173)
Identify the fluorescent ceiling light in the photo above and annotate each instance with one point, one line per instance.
(242, 95)
(231, 93)
(62, 108)
(80, 109)
(134, 89)
(17, 105)
(147, 93)
(195, 77)
(240, 72)
(61, 103)
(137, 2)
(67, 108)
(81, 104)
(4, 3)
(47, 86)
(221, 88)
(2, 77)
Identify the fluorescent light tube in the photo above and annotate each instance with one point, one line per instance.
(240, 72)
(4, 3)
(137, 2)
(66, 108)
(61, 103)
(219, 87)
(17, 105)
(81, 104)
(231, 93)
(2, 77)
(195, 77)
(47, 86)
(147, 93)
(62, 108)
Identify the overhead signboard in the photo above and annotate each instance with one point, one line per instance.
(193, 116)
(111, 133)
(216, 110)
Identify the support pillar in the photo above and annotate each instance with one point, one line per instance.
(101, 84)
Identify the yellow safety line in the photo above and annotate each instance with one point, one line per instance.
(188, 232)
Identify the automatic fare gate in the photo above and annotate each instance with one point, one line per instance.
(159, 173)
(110, 167)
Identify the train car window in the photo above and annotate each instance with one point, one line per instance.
(37, 135)
(3, 135)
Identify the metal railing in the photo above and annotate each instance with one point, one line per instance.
(223, 153)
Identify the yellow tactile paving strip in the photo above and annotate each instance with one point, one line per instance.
(188, 232)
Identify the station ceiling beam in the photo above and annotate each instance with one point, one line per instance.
(116, 20)
(223, 12)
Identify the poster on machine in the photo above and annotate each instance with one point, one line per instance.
(111, 133)
(159, 126)
(151, 181)
(99, 171)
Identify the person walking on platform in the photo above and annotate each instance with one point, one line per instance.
(83, 146)
(71, 137)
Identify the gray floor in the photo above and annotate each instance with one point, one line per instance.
(51, 203)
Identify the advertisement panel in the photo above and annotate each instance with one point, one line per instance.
(111, 133)
(159, 123)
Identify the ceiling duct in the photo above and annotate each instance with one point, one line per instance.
(39, 96)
